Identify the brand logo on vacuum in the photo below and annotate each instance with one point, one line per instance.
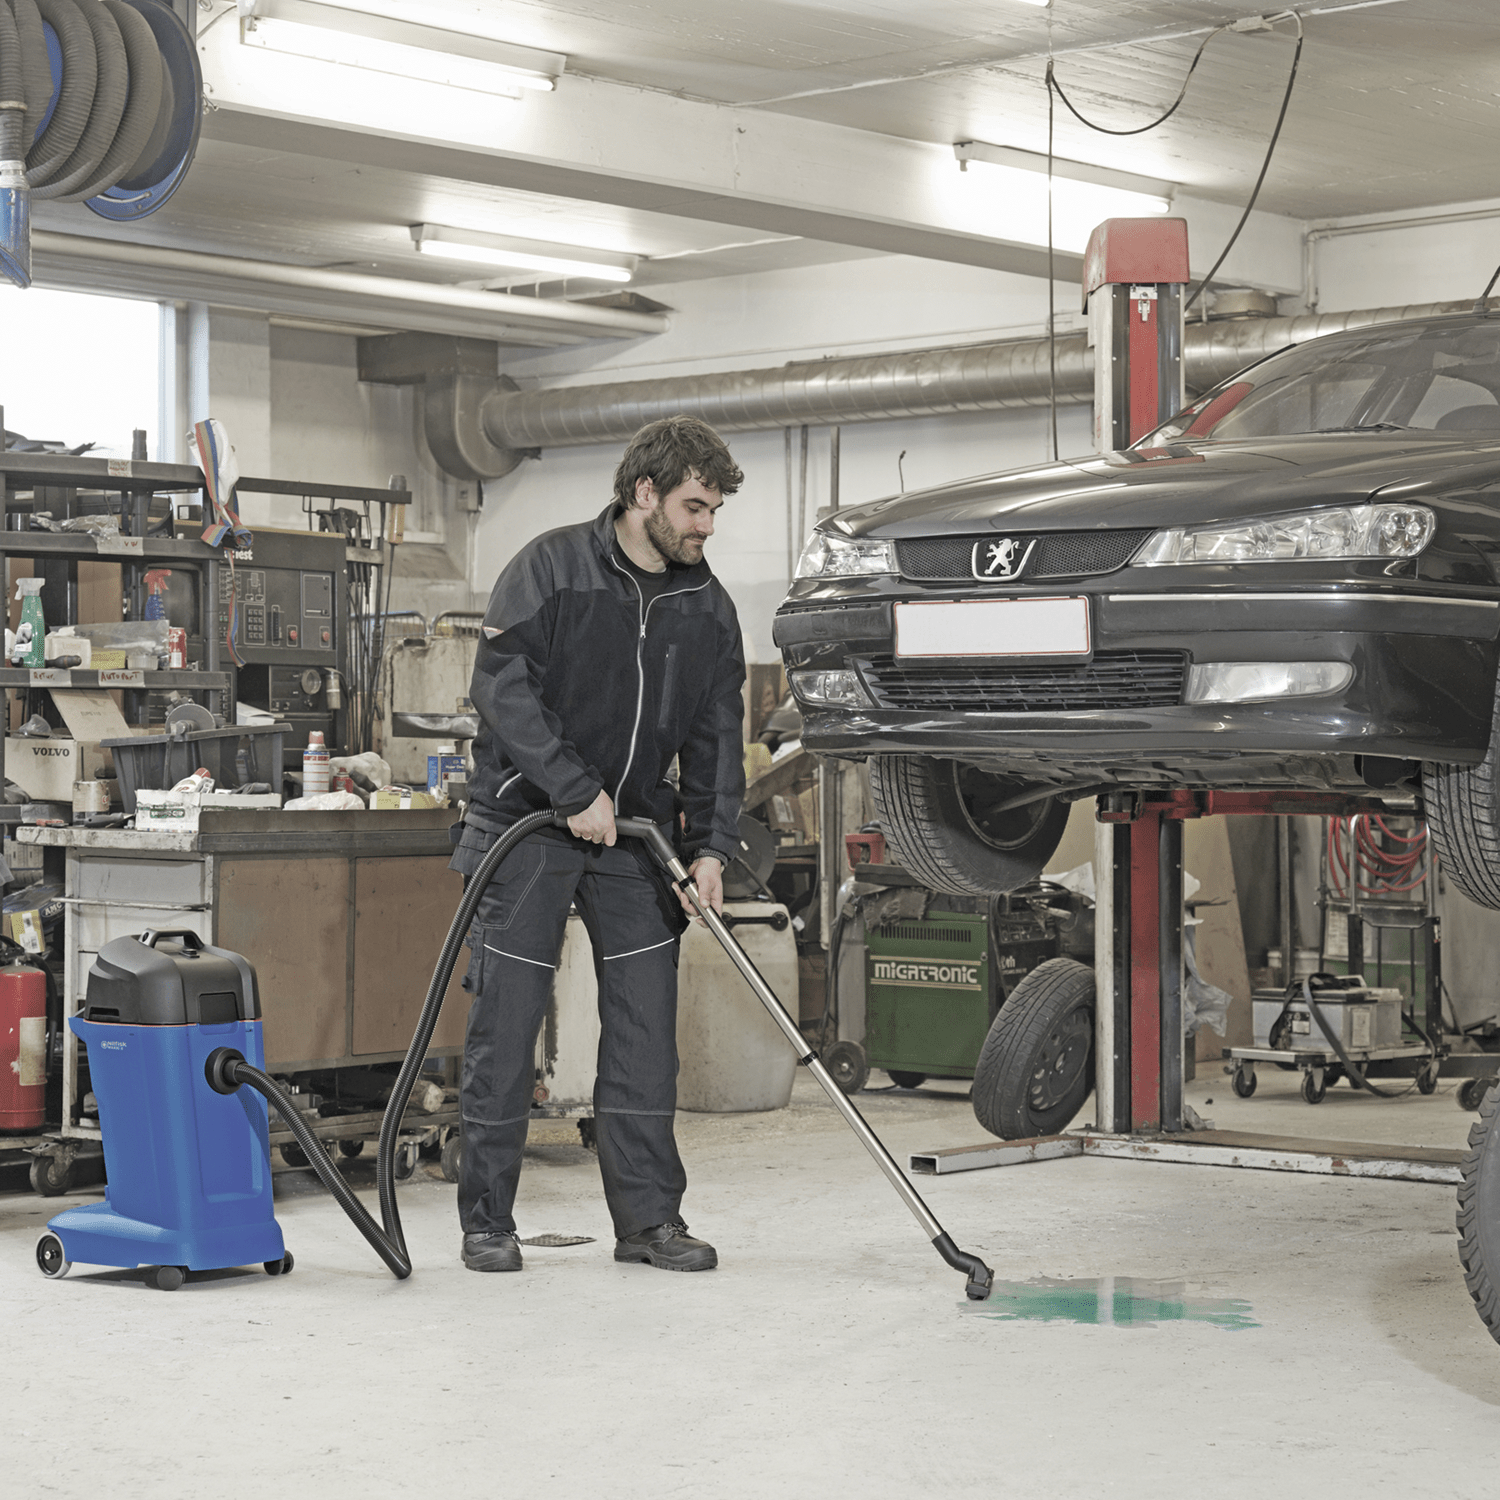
(1002, 558)
(940, 975)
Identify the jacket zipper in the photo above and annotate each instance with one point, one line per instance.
(640, 667)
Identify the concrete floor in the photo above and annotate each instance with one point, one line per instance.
(831, 1353)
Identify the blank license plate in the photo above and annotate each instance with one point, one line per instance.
(994, 627)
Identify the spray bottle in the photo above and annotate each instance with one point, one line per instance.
(31, 631)
(156, 593)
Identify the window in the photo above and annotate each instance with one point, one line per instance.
(76, 368)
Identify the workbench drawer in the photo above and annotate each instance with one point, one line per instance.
(171, 882)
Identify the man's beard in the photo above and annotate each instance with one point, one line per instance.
(669, 542)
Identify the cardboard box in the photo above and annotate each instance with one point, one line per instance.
(401, 798)
(47, 768)
(178, 812)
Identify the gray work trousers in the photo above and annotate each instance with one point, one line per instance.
(634, 923)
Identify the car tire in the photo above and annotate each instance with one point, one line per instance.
(1462, 807)
(1037, 1064)
(932, 813)
(1479, 1214)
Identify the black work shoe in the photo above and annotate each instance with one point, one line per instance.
(492, 1252)
(669, 1247)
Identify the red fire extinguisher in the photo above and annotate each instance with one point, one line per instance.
(23, 1047)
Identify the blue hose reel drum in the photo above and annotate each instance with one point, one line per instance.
(189, 1169)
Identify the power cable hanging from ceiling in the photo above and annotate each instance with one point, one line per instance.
(1055, 91)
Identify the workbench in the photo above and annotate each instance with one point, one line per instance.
(342, 914)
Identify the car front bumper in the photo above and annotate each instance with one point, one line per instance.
(1423, 686)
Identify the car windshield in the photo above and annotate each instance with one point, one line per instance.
(1431, 378)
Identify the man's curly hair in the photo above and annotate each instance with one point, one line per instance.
(671, 450)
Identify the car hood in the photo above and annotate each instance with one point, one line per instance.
(1185, 483)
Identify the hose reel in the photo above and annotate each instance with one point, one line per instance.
(100, 103)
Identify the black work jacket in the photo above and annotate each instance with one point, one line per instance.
(580, 686)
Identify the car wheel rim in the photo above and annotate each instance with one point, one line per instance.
(979, 795)
(1061, 1064)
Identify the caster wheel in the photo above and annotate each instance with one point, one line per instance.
(168, 1278)
(847, 1063)
(51, 1177)
(588, 1134)
(282, 1267)
(349, 1148)
(907, 1080)
(1244, 1082)
(1313, 1087)
(1427, 1079)
(452, 1157)
(406, 1162)
(51, 1258)
(293, 1156)
(1471, 1092)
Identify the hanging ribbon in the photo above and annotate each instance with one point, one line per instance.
(220, 475)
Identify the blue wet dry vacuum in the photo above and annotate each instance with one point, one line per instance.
(189, 1168)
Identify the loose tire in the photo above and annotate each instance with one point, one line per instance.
(850, 1068)
(939, 818)
(1479, 1214)
(1037, 1064)
(1462, 807)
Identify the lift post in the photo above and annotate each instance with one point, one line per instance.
(1138, 1041)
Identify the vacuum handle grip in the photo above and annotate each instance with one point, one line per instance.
(649, 834)
(636, 828)
(152, 936)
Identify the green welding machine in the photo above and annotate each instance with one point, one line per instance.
(934, 983)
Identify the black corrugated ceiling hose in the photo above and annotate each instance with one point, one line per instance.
(226, 1069)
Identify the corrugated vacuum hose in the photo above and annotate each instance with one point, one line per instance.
(227, 1070)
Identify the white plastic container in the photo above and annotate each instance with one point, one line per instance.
(733, 1056)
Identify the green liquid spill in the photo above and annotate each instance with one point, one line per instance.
(1124, 1301)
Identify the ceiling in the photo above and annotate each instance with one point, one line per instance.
(1395, 108)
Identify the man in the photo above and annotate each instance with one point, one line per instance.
(609, 650)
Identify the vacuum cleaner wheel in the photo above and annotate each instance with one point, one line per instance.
(168, 1278)
(51, 1259)
(282, 1267)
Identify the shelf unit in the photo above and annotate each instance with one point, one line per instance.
(59, 483)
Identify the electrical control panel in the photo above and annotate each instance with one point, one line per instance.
(283, 595)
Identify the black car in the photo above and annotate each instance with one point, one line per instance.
(1295, 583)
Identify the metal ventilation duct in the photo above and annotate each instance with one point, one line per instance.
(493, 425)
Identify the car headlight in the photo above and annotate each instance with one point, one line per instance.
(1339, 532)
(842, 688)
(829, 556)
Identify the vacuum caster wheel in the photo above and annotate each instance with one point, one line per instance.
(51, 1258)
(169, 1278)
(452, 1157)
(282, 1267)
(1313, 1086)
(847, 1063)
(1244, 1081)
(406, 1161)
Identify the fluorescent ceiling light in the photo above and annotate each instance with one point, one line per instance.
(379, 44)
(1074, 171)
(1017, 196)
(1041, 4)
(478, 248)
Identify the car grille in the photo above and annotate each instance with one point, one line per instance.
(1058, 554)
(1112, 680)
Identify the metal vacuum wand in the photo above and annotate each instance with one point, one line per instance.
(980, 1277)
